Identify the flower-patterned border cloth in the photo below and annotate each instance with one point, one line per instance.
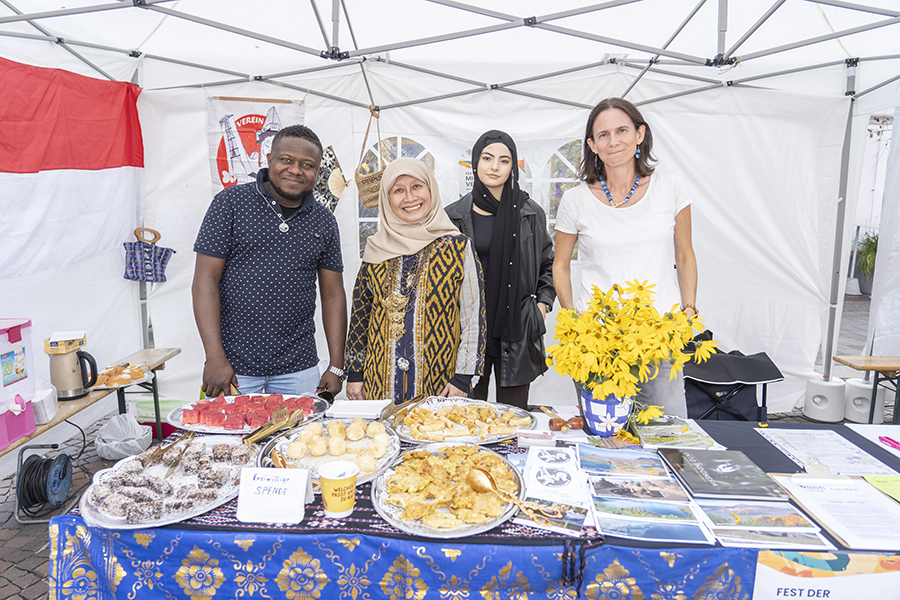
(100, 564)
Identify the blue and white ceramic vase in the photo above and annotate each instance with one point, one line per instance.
(605, 417)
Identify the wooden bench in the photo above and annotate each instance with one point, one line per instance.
(885, 368)
(152, 359)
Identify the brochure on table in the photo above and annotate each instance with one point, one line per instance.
(852, 510)
(837, 453)
(674, 432)
(273, 495)
(873, 432)
(553, 481)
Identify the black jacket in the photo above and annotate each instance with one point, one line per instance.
(524, 360)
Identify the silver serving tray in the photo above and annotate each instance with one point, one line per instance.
(436, 402)
(283, 440)
(96, 517)
(174, 416)
(391, 513)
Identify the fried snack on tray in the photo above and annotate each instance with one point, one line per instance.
(424, 483)
(455, 420)
(120, 375)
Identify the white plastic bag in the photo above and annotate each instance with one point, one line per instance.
(122, 436)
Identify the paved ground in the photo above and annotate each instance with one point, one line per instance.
(24, 549)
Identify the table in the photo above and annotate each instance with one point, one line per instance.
(363, 557)
(153, 359)
(885, 367)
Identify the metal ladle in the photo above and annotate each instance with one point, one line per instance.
(483, 482)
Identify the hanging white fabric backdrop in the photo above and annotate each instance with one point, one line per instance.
(883, 330)
(763, 235)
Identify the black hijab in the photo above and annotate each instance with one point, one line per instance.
(504, 307)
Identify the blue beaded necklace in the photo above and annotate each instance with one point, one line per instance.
(609, 196)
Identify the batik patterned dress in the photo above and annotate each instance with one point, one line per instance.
(417, 321)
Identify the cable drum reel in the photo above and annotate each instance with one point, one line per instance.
(42, 481)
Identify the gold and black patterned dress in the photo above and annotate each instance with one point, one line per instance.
(417, 321)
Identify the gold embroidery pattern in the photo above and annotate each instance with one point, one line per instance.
(244, 542)
(144, 539)
(353, 583)
(505, 586)
(73, 569)
(451, 554)
(401, 582)
(455, 589)
(199, 575)
(669, 557)
(349, 544)
(248, 576)
(669, 591)
(724, 584)
(148, 572)
(556, 589)
(301, 578)
(614, 584)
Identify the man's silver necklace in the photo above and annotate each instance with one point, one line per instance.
(283, 228)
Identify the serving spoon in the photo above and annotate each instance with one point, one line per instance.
(483, 482)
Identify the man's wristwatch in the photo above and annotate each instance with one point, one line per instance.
(339, 372)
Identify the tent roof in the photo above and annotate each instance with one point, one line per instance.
(451, 48)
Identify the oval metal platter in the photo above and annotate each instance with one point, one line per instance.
(391, 513)
(435, 403)
(285, 439)
(174, 416)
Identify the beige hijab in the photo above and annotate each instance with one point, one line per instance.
(396, 237)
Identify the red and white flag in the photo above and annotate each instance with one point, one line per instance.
(71, 167)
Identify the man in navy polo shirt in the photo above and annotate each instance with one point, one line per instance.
(261, 248)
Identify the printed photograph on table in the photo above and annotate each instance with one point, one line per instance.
(569, 522)
(620, 462)
(653, 530)
(637, 488)
(644, 509)
(721, 474)
(754, 515)
(762, 538)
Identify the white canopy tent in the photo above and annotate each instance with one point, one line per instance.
(760, 109)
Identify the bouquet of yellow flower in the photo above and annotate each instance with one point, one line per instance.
(620, 340)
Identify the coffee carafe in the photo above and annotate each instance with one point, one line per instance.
(72, 371)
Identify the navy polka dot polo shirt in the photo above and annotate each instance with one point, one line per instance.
(268, 287)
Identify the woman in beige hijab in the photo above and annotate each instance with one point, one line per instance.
(417, 323)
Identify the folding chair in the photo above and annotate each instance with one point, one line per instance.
(724, 387)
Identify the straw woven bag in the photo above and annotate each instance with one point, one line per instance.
(369, 184)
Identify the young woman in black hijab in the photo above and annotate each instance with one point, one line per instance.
(509, 231)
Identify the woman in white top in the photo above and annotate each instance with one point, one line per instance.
(630, 224)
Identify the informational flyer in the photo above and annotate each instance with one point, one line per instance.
(853, 510)
(837, 453)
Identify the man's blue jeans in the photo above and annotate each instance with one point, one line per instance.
(301, 382)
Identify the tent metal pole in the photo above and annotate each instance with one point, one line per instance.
(237, 30)
(549, 17)
(430, 72)
(429, 99)
(438, 38)
(875, 87)
(327, 67)
(63, 44)
(335, 24)
(48, 14)
(349, 26)
(753, 29)
(862, 8)
(723, 27)
(321, 24)
(315, 93)
(821, 38)
(788, 71)
(828, 351)
(679, 94)
(546, 98)
(882, 57)
(679, 75)
(554, 74)
(622, 43)
(653, 60)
